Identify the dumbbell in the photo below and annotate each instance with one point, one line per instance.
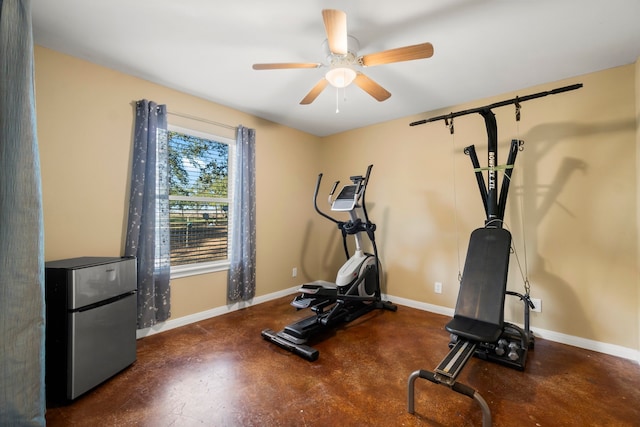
(500, 348)
(513, 350)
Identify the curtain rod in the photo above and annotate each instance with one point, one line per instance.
(200, 119)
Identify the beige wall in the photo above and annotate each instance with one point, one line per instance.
(85, 121)
(574, 189)
(637, 92)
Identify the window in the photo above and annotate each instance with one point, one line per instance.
(200, 194)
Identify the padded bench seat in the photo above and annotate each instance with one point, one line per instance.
(474, 330)
(479, 313)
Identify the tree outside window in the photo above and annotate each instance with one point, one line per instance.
(199, 196)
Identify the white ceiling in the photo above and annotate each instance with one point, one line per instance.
(206, 48)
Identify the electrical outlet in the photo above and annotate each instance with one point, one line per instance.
(538, 305)
(294, 272)
(438, 288)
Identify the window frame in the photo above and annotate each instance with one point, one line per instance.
(186, 270)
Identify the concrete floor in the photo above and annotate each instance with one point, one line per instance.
(220, 372)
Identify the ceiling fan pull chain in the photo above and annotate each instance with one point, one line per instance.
(337, 100)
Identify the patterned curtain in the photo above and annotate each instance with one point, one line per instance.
(148, 226)
(241, 284)
(22, 399)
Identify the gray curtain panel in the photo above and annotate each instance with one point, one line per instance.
(22, 400)
(148, 225)
(241, 284)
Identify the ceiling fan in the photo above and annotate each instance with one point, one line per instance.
(343, 60)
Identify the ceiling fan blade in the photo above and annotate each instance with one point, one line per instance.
(314, 92)
(371, 87)
(407, 53)
(285, 65)
(335, 24)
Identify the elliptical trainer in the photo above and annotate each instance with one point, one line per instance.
(356, 290)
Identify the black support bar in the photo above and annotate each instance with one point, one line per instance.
(516, 100)
(492, 155)
(471, 152)
(455, 360)
(516, 144)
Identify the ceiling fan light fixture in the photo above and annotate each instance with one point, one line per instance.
(343, 63)
(340, 76)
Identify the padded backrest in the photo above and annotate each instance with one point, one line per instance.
(484, 279)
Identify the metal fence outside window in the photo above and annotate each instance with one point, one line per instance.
(198, 237)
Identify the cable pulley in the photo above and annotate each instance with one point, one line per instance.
(449, 124)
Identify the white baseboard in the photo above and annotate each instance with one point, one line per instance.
(600, 347)
(217, 311)
(438, 309)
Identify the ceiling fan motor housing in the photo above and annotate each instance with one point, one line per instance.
(337, 60)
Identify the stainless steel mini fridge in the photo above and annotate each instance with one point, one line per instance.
(91, 322)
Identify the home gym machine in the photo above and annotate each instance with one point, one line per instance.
(478, 327)
(356, 290)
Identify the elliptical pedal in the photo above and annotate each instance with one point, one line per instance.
(304, 351)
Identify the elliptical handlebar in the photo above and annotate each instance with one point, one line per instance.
(365, 183)
(366, 177)
(335, 186)
(315, 198)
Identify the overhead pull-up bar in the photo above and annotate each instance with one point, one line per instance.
(494, 207)
(517, 100)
